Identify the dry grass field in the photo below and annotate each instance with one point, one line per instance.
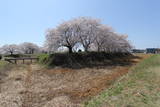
(36, 86)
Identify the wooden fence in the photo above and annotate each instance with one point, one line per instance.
(15, 60)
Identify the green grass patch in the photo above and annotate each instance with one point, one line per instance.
(139, 88)
(3, 64)
(43, 58)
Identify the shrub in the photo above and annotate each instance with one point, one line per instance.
(43, 58)
(83, 59)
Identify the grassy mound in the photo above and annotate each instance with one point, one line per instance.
(140, 88)
(79, 60)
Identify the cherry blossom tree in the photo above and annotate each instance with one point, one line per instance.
(10, 49)
(63, 35)
(89, 32)
(88, 28)
(29, 48)
(103, 38)
(67, 33)
(117, 43)
(52, 40)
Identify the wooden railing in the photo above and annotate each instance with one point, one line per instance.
(15, 60)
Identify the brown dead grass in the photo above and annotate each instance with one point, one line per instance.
(43, 87)
(84, 83)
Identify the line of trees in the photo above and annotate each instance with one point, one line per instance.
(86, 33)
(24, 48)
(90, 33)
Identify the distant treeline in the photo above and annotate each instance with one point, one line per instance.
(148, 50)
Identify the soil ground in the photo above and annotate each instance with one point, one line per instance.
(35, 86)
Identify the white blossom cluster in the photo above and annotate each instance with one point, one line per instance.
(88, 32)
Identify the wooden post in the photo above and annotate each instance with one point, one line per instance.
(15, 61)
(23, 61)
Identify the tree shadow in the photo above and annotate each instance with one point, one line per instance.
(91, 60)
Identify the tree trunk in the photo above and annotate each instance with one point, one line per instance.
(98, 49)
(70, 49)
(11, 53)
(32, 51)
(86, 49)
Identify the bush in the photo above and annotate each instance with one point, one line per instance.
(43, 58)
(91, 59)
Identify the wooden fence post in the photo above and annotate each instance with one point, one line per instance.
(23, 61)
(15, 61)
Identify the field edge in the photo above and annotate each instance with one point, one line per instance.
(142, 74)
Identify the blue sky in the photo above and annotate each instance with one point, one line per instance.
(27, 20)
